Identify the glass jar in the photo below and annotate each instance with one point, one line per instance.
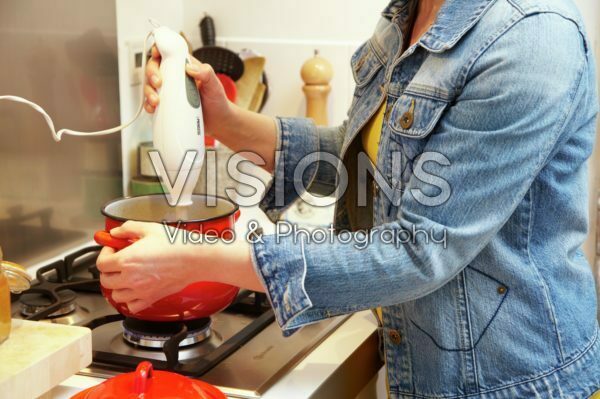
(13, 278)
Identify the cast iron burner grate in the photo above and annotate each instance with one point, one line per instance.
(171, 349)
(32, 303)
(54, 292)
(247, 302)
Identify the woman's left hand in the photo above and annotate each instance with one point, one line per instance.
(153, 267)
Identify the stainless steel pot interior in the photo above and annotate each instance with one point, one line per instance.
(155, 208)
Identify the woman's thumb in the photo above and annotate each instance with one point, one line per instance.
(205, 77)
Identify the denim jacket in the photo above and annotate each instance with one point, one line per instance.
(499, 98)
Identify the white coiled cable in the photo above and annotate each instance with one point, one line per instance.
(58, 135)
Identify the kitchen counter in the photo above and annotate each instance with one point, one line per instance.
(345, 362)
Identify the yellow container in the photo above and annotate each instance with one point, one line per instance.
(13, 278)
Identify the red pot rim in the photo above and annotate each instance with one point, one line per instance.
(124, 219)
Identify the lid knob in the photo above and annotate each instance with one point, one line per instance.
(143, 372)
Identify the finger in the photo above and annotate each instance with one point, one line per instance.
(123, 295)
(153, 73)
(151, 95)
(131, 229)
(155, 53)
(107, 261)
(195, 60)
(112, 281)
(205, 78)
(137, 305)
(149, 108)
(199, 71)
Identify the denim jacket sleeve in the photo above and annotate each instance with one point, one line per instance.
(298, 138)
(499, 133)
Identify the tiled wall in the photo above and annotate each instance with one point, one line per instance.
(287, 33)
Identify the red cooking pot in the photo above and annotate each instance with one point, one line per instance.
(148, 383)
(209, 215)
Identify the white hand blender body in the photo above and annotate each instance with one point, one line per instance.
(178, 128)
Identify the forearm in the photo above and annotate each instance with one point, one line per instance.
(249, 131)
(234, 265)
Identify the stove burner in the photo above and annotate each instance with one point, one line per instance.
(153, 334)
(53, 294)
(32, 303)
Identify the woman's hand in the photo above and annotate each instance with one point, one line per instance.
(237, 128)
(216, 108)
(153, 267)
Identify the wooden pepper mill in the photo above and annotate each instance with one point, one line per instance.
(316, 74)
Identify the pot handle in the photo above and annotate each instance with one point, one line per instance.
(105, 239)
(143, 372)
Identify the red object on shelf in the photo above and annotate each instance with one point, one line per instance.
(229, 86)
(197, 300)
(146, 382)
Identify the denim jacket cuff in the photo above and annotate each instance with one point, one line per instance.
(296, 138)
(283, 273)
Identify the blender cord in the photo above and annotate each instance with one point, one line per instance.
(58, 135)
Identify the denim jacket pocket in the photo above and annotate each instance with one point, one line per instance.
(469, 304)
(415, 114)
(365, 64)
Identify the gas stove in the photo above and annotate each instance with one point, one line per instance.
(241, 350)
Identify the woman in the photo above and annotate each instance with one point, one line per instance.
(479, 116)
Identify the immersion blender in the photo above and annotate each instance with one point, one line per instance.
(177, 125)
(177, 128)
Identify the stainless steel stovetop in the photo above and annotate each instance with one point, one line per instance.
(244, 355)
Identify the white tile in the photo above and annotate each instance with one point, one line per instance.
(339, 20)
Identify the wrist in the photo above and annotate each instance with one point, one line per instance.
(190, 260)
(230, 122)
(219, 262)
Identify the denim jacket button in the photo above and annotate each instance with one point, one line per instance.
(501, 290)
(395, 337)
(407, 119)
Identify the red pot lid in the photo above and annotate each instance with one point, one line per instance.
(146, 383)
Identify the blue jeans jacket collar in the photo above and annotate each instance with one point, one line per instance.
(455, 19)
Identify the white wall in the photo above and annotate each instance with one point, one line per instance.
(132, 27)
(287, 33)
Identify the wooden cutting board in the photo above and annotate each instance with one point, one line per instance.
(248, 83)
(38, 356)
